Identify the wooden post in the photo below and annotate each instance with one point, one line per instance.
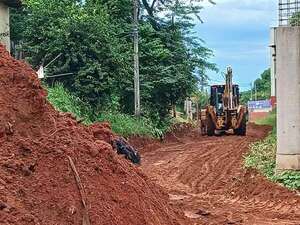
(174, 111)
(251, 91)
(197, 111)
(255, 89)
(137, 104)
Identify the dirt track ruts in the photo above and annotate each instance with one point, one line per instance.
(204, 176)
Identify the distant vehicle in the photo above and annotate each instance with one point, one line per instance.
(224, 112)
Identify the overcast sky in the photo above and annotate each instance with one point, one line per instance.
(238, 33)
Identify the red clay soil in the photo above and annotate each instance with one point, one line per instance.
(205, 177)
(147, 144)
(37, 180)
(255, 116)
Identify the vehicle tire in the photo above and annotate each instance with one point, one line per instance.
(242, 130)
(203, 128)
(123, 148)
(210, 127)
(134, 157)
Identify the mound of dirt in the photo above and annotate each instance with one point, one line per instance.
(54, 170)
(180, 130)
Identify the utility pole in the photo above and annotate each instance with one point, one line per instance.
(137, 103)
(255, 89)
(201, 83)
(251, 91)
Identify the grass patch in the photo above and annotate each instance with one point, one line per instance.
(270, 120)
(127, 125)
(64, 101)
(122, 124)
(262, 156)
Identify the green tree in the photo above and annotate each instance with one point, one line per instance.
(84, 35)
(262, 86)
(295, 19)
(94, 41)
(185, 59)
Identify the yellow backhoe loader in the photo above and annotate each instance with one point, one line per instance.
(224, 112)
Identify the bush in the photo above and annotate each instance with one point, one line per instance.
(127, 125)
(290, 179)
(262, 156)
(123, 124)
(64, 101)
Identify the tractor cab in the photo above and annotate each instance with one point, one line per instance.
(217, 97)
(224, 111)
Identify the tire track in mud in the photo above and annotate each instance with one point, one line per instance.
(205, 177)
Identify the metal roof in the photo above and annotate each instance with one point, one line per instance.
(12, 3)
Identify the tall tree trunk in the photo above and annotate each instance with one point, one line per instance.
(174, 110)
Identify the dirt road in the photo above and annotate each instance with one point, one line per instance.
(205, 178)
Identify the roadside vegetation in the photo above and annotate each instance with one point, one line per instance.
(91, 42)
(128, 125)
(122, 124)
(64, 101)
(262, 157)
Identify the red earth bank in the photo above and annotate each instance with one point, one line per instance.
(37, 181)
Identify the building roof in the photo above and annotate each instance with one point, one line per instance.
(12, 3)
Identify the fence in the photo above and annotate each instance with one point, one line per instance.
(287, 9)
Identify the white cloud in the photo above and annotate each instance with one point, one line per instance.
(238, 12)
(238, 33)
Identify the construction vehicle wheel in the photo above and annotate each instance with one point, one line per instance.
(210, 127)
(242, 130)
(203, 127)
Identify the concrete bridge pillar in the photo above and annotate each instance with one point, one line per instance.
(273, 66)
(288, 97)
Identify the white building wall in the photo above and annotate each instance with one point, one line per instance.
(4, 25)
(273, 61)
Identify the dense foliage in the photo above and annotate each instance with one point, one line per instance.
(122, 124)
(261, 89)
(93, 40)
(295, 19)
(127, 125)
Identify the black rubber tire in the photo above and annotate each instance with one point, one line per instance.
(242, 130)
(134, 157)
(210, 127)
(203, 127)
(123, 148)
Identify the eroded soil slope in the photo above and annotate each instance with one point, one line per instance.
(54, 170)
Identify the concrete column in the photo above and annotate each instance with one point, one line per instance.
(273, 61)
(4, 25)
(288, 97)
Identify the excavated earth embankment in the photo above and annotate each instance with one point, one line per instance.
(54, 170)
